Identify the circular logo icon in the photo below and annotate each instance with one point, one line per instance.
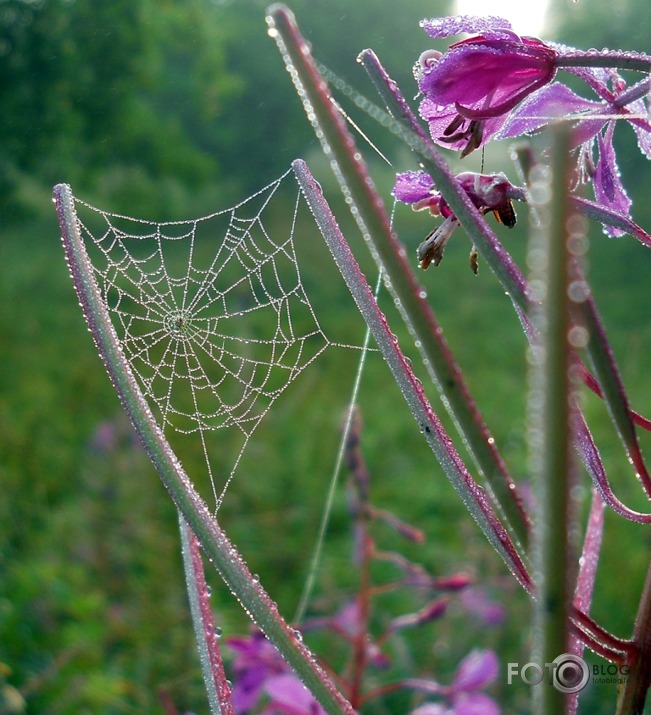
(571, 673)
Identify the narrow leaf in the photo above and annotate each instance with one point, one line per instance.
(473, 496)
(373, 221)
(219, 549)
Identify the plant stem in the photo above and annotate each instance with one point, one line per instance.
(551, 419)
(219, 549)
(633, 695)
(473, 496)
(369, 211)
(606, 58)
(207, 636)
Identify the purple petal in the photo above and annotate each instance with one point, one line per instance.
(482, 76)
(347, 619)
(544, 106)
(288, 693)
(456, 24)
(586, 131)
(246, 689)
(475, 704)
(608, 188)
(478, 603)
(477, 670)
(610, 217)
(439, 119)
(413, 186)
(642, 127)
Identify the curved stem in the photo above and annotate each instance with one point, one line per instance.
(217, 546)
(632, 94)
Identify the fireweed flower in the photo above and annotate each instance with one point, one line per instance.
(261, 672)
(469, 89)
(488, 192)
(476, 671)
(594, 125)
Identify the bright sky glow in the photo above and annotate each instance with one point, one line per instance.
(527, 18)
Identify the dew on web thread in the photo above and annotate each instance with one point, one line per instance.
(212, 315)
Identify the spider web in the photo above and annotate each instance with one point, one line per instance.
(211, 313)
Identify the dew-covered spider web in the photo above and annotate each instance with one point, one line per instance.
(212, 314)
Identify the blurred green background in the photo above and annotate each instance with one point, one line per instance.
(172, 109)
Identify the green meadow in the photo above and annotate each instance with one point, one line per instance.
(93, 612)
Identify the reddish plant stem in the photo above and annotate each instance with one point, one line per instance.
(599, 639)
(634, 692)
(360, 482)
(360, 659)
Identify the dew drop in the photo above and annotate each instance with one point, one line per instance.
(297, 634)
(577, 291)
(578, 336)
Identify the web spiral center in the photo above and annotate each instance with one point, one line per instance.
(178, 324)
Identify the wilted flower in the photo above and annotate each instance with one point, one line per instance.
(470, 88)
(488, 192)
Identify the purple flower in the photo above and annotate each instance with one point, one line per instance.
(476, 671)
(594, 125)
(347, 623)
(488, 192)
(260, 671)
(477, 602)
(468, 90)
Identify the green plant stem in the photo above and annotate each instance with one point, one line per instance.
(551, 420)
(207, 636)
(437, 438)
(369, 211)
(606, 58)
(219, 549)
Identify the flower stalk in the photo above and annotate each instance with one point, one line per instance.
(633, 694)
(551, 416)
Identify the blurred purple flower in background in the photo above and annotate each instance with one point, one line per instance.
(259, 671)
(477, 602)
(476, 671)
